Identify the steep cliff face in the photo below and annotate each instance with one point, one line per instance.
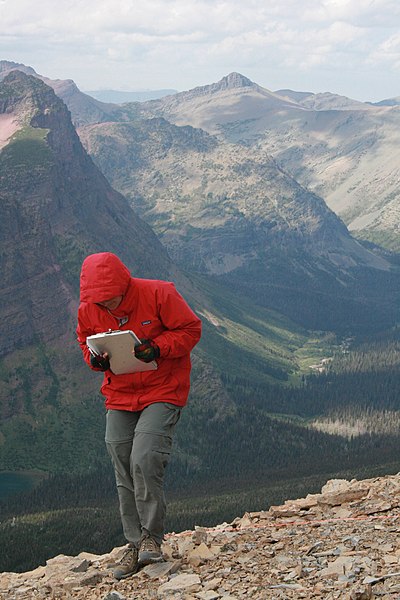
(53, 198)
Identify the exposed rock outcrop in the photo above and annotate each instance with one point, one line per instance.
(84, 109)
(343, 543)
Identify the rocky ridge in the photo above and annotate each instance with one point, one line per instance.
(83, 108)
(341, 543)
(323, 101)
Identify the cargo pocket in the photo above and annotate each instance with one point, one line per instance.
(174, 414)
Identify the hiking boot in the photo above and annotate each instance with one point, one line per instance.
(149, 551)
(128, 565)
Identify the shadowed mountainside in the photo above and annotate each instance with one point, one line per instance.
(54, 204)
(228, 210)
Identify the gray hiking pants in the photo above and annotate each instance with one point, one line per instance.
(139, 444)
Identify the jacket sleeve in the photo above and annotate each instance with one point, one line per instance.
(83, 330)
(183, 326)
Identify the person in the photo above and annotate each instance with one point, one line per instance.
(143, 408)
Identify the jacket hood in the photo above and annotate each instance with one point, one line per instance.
(103, 276)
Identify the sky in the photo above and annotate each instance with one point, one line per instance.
(348, 47)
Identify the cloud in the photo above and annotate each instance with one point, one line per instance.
(387, 53)
(191, 38)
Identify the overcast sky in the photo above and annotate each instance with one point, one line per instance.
(350, 47)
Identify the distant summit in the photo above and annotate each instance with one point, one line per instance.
(323, 101)
(7, 66)
(388, 102)
(121, 97)
(231, 81)
(234, 82)
(234, 98)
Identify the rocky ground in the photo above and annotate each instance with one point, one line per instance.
(342, 543)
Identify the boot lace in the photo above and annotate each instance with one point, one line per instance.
(149, 544)
(127, 557)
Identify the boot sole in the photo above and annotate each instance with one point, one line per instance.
(126, 575)
(147, 559)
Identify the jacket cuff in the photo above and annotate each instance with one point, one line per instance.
(165, 348)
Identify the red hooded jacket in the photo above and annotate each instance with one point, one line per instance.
(153, 310)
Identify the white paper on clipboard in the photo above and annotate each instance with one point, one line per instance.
(119, 345)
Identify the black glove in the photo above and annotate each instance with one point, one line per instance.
(147, 351)
(100, 362)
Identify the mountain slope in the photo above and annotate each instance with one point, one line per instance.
(345, 151)
(53, 197)
(56, 207)
(350, 158)
(212, 107)
(229, 211)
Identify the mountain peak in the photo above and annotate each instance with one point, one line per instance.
(6, 66)
(27, 97)
(84, 109)
(21, 81)
(32, 101)
(235, 80)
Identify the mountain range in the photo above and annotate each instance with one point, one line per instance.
(57, 207)
(120, 97)
(260, 256)
(223, 205)
(224, 209)
(343, 150)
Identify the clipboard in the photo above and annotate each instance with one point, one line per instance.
(119, 345)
